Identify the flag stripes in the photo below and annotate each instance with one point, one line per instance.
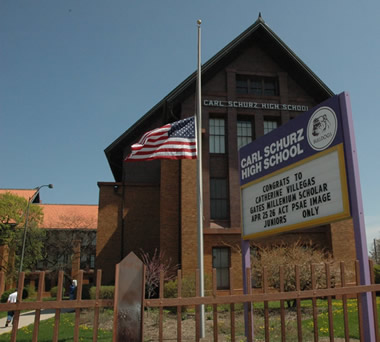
(172, 141)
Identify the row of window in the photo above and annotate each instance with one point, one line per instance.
(255, 85)
(219, 198)
(245, 84)
(217, 136)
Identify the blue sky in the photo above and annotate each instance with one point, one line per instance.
(76, 74)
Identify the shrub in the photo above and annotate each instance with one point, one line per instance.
(288, 256)
(106, 292)
(54, 291)
(31, 290)
(170, 289)
(376, 273)
(5, 295)
(376, 270)
(188, 287)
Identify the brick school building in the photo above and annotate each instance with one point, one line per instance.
(252, 86)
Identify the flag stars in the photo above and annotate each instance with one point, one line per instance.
(172, 141)
(184, 128)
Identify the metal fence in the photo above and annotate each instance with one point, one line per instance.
(343, 291)
(56, 305)
(124, 306)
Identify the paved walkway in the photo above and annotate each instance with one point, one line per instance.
(27, 318)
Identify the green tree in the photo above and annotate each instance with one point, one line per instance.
(12, 223)
(374, 251)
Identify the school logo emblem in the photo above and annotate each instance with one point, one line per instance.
(322, 128)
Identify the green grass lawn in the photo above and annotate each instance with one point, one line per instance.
(338, 319)
(66, 328)
(307, 320)
(4, 313)
(66, 331)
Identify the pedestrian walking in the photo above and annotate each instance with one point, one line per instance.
(12, 298)
(73, 288)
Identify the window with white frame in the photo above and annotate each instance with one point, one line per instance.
(221, 262)
(257, 85)
(269, 125)
(217, 135)
(244, 132)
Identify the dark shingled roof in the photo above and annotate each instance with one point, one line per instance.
(258, 32)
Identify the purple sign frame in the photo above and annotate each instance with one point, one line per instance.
(252, 155)
(295, 176)
(286, 145)
(357, 212)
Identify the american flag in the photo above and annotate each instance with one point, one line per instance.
(172, 141)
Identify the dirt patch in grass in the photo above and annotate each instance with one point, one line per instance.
(188, 327)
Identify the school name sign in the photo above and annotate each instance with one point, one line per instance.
(295, 176)
(254, 105)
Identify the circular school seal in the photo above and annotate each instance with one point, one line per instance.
(321, 129)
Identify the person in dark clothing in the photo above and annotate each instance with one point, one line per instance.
(73, 288)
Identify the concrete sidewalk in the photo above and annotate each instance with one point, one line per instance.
(27, 318)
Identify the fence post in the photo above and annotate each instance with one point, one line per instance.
(357, 213)
(129, 299)
(75, 263)
(247, 288)
(2, 283)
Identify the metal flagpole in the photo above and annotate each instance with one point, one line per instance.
(200, 185)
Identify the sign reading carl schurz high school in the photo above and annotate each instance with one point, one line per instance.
(295, 176)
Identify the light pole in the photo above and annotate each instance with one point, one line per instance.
(31, 199)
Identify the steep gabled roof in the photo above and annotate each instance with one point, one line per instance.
(258, 32)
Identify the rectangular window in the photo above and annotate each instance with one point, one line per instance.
(218, 199)
(83, 261)
(92, 261)
(221, 262)
(217, 136)
(241, 86)
(270, 125)
(270, 87)
(244, 133)
(257, 85)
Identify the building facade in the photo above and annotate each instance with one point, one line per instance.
(252, 86)
(69, 243)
